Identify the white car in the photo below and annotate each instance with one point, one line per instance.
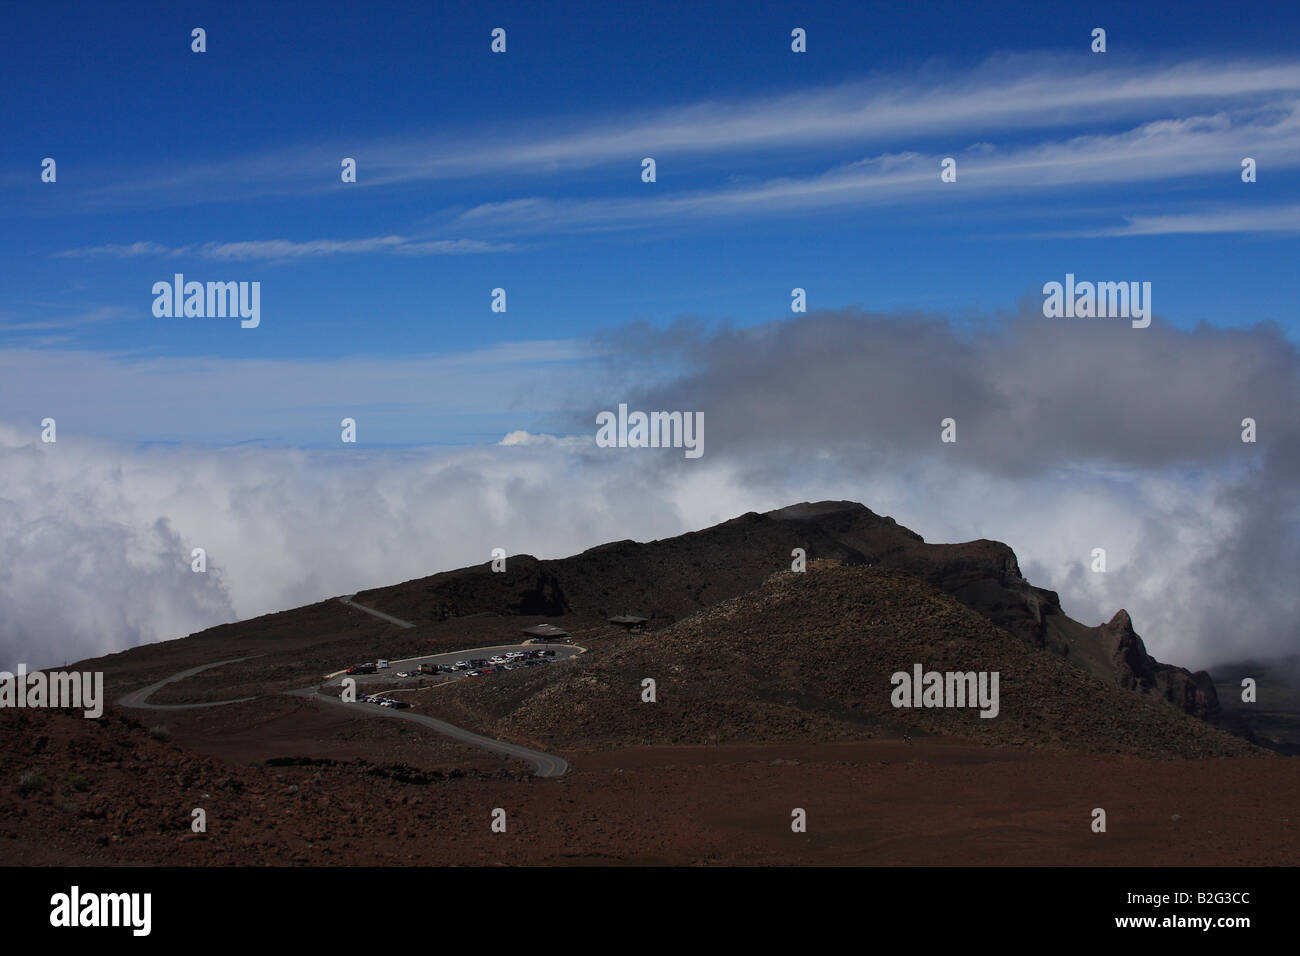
(403, 673)
(496, 660)
(461, 664)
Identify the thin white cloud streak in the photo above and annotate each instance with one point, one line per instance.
(119, 250)
(1167, 150)
(287, 249)
(107, 313)
(1285, 219)
(1007, 94)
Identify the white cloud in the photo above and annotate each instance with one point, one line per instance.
(1284, 218)
(107, 313)
(521, 437)
(283, 249)
(97, 536)
(117, 250)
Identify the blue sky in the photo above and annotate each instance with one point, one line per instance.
(522, 171)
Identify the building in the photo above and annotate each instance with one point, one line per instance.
(629, 621)
(547, 633)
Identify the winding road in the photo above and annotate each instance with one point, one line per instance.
(139, 698)
(544, 764)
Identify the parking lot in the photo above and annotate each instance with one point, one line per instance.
(477, 663)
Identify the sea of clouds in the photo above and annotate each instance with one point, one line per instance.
(1068, 440)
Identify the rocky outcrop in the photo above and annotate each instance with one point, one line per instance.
(1137, 670)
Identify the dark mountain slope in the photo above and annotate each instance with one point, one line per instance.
(672, 578)
(810, 656)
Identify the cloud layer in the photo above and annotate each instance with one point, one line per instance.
(1070, 437)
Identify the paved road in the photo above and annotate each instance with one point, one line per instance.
(545, 765)
(138, 698)
(379, 614)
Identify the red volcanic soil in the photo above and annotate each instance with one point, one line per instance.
(107, 792)
(768, 702)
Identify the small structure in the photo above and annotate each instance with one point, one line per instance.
(629, 621)
(547, 633)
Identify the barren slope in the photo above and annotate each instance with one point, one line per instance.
(809, 656)
(669, 579)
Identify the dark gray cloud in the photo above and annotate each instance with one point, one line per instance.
(1029, 394)
(1136, 432)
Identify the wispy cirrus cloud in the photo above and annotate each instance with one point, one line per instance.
(286, 249)
(1009, 95)
(108, 313)
(1164, 151)
(1281, 219)
(117, 250)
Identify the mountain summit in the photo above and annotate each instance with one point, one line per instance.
(669, 579)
